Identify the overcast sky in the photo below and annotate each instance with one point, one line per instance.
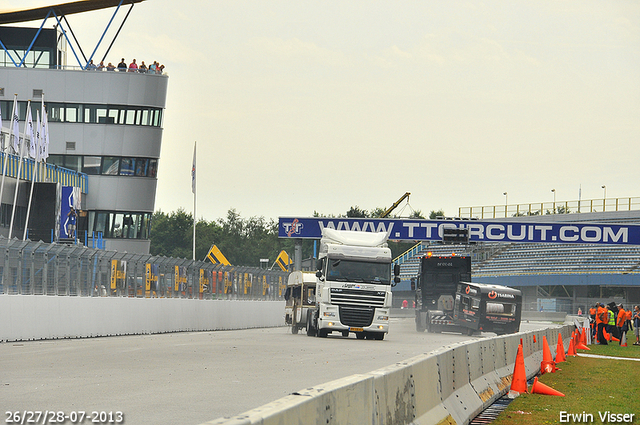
(322, 105)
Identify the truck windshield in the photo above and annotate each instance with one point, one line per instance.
(359, 271)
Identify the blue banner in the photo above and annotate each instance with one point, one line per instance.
(479, 231)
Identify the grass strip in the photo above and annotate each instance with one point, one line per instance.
(592, 387)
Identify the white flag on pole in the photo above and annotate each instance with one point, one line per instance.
(45, 137)
(28, 133)
(38, 131)
(193, 170)
(15, 127)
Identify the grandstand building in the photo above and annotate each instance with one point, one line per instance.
(551, 276)
(106, 126)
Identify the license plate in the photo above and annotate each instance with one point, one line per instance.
(352, 329)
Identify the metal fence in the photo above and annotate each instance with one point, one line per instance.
(38, 268)
(547, 208)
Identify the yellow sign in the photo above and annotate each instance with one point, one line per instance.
(204, 281)
(216, 257)
(247, 283)
(118, 271)
(283, 261)
(265, 285)
(180, 277)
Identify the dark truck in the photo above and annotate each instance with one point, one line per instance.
(447, 301)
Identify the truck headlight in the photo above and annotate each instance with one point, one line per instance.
(329, 314)
(383, 318)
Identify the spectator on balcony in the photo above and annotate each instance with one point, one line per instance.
(110, 67)
(152, 67)
(160, 69)
(91, 66)
(122, 66)
(133, 66)
(142, 68)
(101, 66)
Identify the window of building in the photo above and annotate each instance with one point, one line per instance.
(56, 160)
(120, 225)
(88, 113)
(91, 165)
(142, 164)
(73, 112)
(112, 116)
(127, 166)
(73, 162)
(110, 165)
(153, 168)
(55, 112)
(130, 117)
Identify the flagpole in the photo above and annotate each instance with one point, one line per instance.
(6, 149)
(36, 162)
(20, 149)
(193, 189)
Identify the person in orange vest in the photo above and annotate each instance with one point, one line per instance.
(602, 317)
(621, 322)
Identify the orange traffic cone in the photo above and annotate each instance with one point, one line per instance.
(581, 346)
(624, 340)
(547, 365)
(560, 350)
(519, 379)
(540, 388)
(606, 335)
(546, 352)
(572, 349)
(584, 336)
(613, 338)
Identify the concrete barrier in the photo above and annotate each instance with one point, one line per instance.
(448, 386)
(29, 317)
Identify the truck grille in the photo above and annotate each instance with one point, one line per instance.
(357, 317)
(357, 298)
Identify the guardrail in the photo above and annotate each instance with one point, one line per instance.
(447, 386)
(544, 208)
(38, 268)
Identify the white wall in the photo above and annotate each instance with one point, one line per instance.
(27, 317)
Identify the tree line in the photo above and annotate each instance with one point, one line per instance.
(243, 241)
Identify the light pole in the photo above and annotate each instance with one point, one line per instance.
(604, 197)
(554, 200)
(506, 202)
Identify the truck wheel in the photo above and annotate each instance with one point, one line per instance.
(294, 329)
(360, 335)
(345, 333)
(470, 332)
(419, 327)
(322, 333)
(311, 330)
(379, 336)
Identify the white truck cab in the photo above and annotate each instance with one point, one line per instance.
(353, 287)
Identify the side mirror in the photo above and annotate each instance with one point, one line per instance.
(396, 269)
(396, 280)
(319, 274)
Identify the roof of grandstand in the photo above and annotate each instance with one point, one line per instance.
(27, 15)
